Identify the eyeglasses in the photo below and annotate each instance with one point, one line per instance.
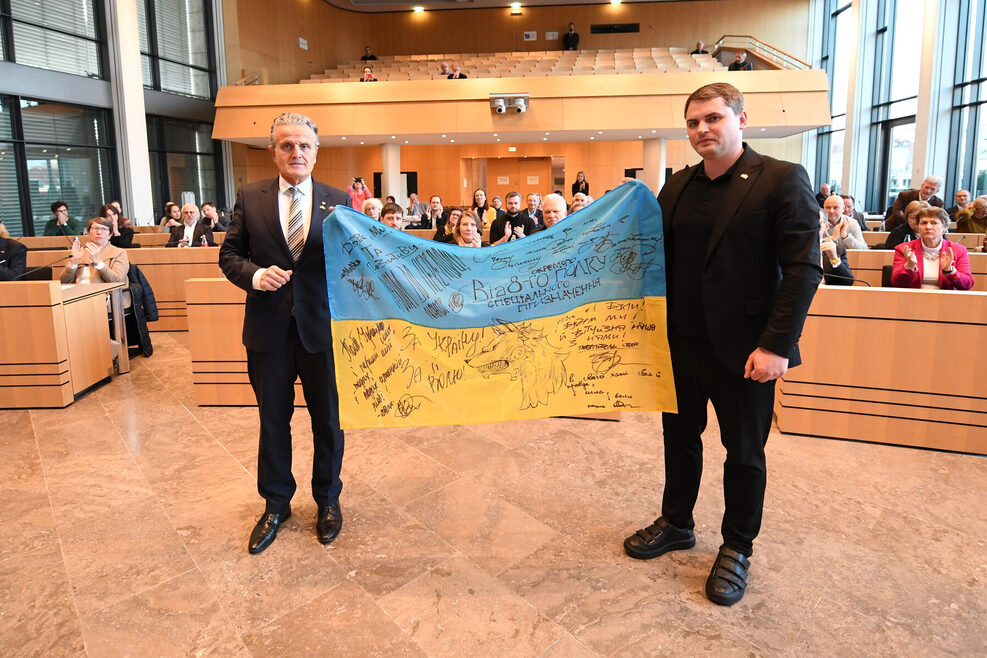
(99, 229)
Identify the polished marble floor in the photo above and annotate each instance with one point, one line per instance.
(125, 520)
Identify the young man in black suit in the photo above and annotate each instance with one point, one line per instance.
(274, 251)
(741, 235)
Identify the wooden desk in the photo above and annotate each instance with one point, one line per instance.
(166, 270)
(867, 263)
(219, 360)
(891, 366)
(145, 240)
(61, 347)
(972, 241)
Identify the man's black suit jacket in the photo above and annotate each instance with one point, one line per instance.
(255, 240)
(896, 213)
(762, 264)
(839, 275)
(13, 259)
(202, 228)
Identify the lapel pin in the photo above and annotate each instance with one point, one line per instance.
(744, 176)
(322, 206)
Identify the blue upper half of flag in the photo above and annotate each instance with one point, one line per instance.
(610, 250)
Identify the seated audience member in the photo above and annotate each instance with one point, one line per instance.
(371, 208)
(3, 230)
(483, 210)
(390, 199)
(61, 223)
(368, 75)
(447, 232)
(444, 69)
(497, 204)
(836, 269)
(98, 261)
(570, 40)
(216, 221)
(823, 194)
(577, 204)
(846, 230)
(581, 197)
(192, 231)
(533, 209)
(435, 215)
(393, 215)
(120, 236)
(457, 73)
(580, 184)
(700, 50)
(468, 232)
(172, 217)
(512, 226)
(973, 218)
(932, 261)
(415, 208)
(927, 192)
(124, 221)
(740, 63)
(368, 56)
(909, 230)
(358, 194)
(850, 211)
(554, 210)
(13, 259)
(962, 201)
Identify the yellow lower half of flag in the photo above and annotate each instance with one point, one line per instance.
(600, 357)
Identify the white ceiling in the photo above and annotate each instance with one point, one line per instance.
(436, 5)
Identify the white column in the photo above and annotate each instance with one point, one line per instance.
(127, 87)
(927, 112)
(655, 161)
(390, 179)
(851, 159)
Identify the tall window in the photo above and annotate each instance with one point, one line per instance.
(185, 163)
(53, 151)
(838, 45)
(59, 35)
(895, 98)
(176, 50)
(968, 129)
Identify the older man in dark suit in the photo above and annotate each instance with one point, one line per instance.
(927, 192)
(274, 251)
(13, 259)
(192, 232)
(743, 262)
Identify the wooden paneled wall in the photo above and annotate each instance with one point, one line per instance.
(440, 167)
(262, 37)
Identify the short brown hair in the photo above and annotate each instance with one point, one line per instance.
(102, 221)
(392, 208)
(914, 207)
(938, 213)
(731, 96)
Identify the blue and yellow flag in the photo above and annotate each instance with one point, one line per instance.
(570, 320)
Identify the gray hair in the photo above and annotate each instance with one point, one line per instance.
(555, 197)
(293, 119)
(935, 179)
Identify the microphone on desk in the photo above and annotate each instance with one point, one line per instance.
(41, 267)
(846, 278)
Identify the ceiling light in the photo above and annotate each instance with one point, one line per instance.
(511, 148)
(443, 137)
(496, 135)
(361, 142)
(653, 132)
(344, 139)
(591, 137)
(498, 139)
(544, 139)
(418, 9)
(515, 8)
(599, 132)
(615, 3)
(452, 141)
(548, 133)
(393, 137)
(405, 141)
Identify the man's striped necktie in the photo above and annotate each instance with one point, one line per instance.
(296, 227)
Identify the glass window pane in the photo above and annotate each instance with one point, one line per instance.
(195, 174)
(75, 16)
(906, 48)
(10, 203)
(181, 31)
(5, 118)
(188, 137)
(146, 78)
(81, 177)
(142, 26)
(63, 124)
(35, 46)
(836, 161)
(183, 80)
(841, 62)
(980, 174)
(903, 109)
(158, 199)
(900, 148)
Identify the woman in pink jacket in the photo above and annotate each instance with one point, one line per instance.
(932, 261)
(358, 194)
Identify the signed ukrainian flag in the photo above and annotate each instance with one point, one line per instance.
(570, 320)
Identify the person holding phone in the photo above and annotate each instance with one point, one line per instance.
(358, 193)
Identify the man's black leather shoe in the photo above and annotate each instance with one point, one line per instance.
(727, 580)
(657, 539)
(328, 523)
(266, 530)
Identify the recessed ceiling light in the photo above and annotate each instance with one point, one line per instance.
(393, 137)
(361, 142)
(443, 137)
(653, 132)
(451, 141)
(548, 133)
(763, 129)
(418, 9)
(544, 139)
(405, 141)
(639, 137)
(599, 132)
(496, 135)
(591, 137)
(498, 139)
